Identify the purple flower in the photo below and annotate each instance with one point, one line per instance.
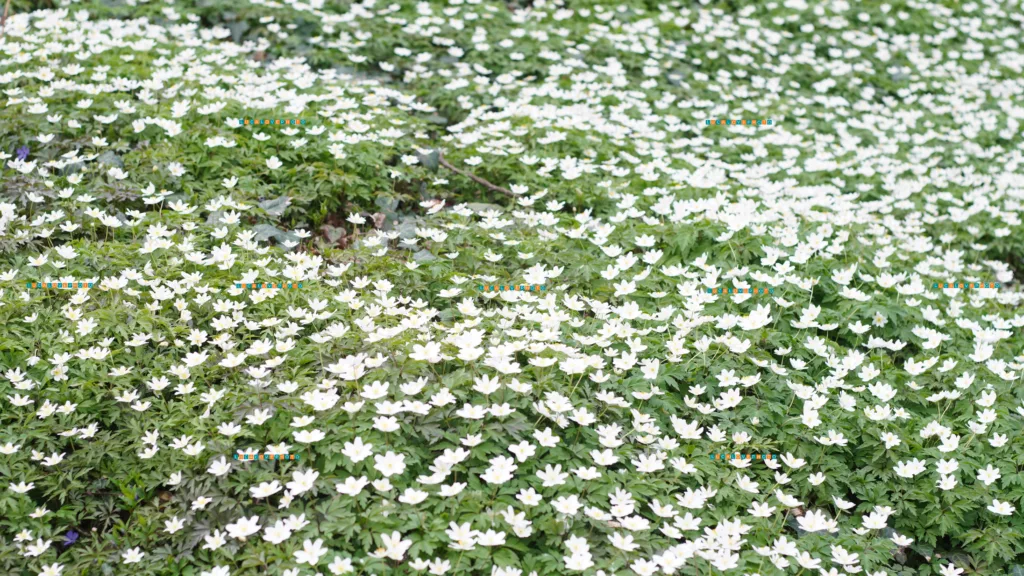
(21, 153)
(70, 538)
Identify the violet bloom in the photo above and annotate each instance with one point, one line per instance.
(21, 153)
(70, 538)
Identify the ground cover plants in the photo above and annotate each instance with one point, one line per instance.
(441, 429)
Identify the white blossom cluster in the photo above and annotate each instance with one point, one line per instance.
(444, 430)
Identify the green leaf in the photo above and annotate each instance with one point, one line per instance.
(505, 557)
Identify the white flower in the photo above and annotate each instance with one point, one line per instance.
(761, 510)
(573, 366)
(394, 546)
(132, 556)
(219, 467)
(817, 521)
(54, 569)
(874, 521)
(37, 548)
(567, 505)
(649, 368)
(578, 562)
(989, 475)
(352, 486)
(341, 566)
(909, 469)
(308, 436)
(277, 533)
(1001, 508)
(491, 538)
(214, 541)
(21, 487)
(901, 540)
(747, 484)
(302, 481)
(173, 525)
(265, 489)
(357, 451)
(431, 352)
(389, 464)
(311, 552)
(623, 542)
(950, 570)
(644, 567)
(244, 527)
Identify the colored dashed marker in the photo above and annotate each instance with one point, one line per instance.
(741, 290)
(739, 456)
(58, 284)
(962, 285)
(271, 122)
(259, 285)
(265, 456)
(730, 122)
(512, 288)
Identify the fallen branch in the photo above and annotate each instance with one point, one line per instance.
(473, 177)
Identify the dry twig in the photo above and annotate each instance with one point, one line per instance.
(3, 21)
(473, 177)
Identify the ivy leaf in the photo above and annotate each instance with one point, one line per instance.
(431, 160)
(332, 233)
(275, 206)
(424, 256)
(110, 159)
(268, 232)
(388, 205)
(238, 29)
